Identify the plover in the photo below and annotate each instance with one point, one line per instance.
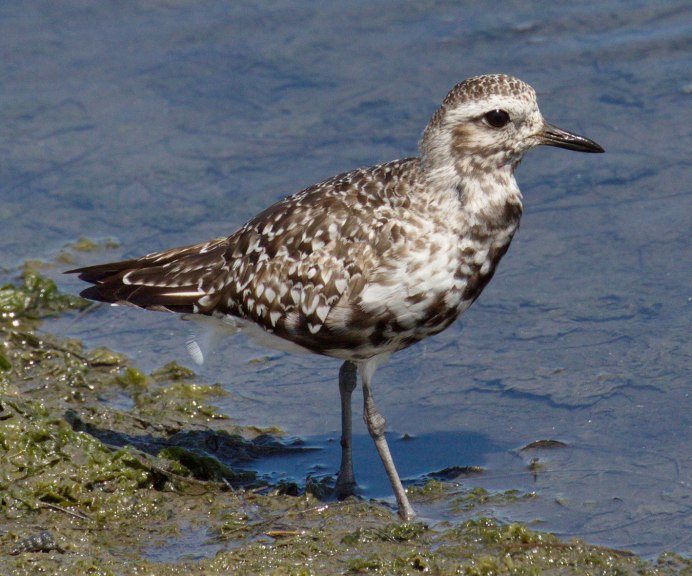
(368, 262)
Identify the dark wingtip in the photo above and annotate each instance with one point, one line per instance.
(100, 272)
(95, 293)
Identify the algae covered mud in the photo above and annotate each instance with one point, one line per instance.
(106, 470)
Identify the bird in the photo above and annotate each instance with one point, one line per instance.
(365, 263)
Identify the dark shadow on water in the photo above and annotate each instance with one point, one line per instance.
(417, 458)
(271, 460)
(208, 454)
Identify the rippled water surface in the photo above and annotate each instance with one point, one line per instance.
(165, 122)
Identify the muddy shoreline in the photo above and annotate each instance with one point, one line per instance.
(167, 486)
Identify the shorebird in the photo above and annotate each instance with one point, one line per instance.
(365, 263)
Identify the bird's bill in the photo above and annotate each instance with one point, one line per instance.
(554, 136)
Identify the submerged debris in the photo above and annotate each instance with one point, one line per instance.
(42, 542)
(543, 445)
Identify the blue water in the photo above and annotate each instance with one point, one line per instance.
(166, 122)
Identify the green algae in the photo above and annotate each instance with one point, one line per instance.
(47, 464)
(202, 466)
(66, 255)
(477, 497)
(36, 297)
(120, 491)
(174, 371)
(398, 532)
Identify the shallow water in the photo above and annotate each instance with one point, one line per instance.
(162, 123)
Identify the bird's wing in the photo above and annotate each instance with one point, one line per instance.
(285, 270)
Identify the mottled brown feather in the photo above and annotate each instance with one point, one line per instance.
(369, 261)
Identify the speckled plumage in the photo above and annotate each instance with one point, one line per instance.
(349, 267)
(371, 261)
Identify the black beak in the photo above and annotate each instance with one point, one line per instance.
(554, 136)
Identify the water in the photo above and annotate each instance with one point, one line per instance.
(162, 123)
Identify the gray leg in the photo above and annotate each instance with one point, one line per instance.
(375, 423)
(346, 482)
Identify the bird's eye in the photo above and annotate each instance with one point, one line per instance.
(496, 118)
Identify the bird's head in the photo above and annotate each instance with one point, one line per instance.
(488, 123)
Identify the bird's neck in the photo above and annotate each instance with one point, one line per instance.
(482, 192)
(477, 180)
(479, 193)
